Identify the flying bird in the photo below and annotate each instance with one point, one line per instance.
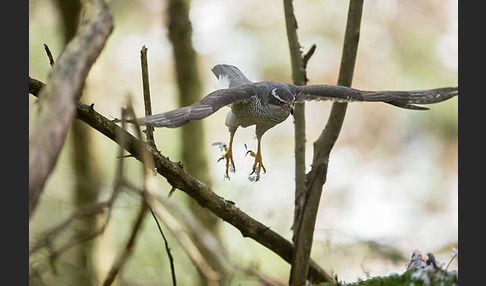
(268, 103)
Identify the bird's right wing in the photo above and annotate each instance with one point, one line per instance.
(201, 109)
(230, 73)
(403, 99)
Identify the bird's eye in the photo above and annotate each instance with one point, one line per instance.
(280, 102)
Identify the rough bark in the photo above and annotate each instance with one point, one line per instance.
(57, 99)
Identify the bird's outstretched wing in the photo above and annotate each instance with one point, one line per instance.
(233, 74)
(201, 109)
(403, 99)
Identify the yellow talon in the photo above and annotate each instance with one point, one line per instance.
(258, 165)
(228, 156)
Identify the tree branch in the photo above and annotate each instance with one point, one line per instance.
(200, 192)
(145, 204)
(149, 131)
(324, 144)
(120, 262)
(56, 104)
(298, 77)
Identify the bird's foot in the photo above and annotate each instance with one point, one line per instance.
(228, 156)
(257, 166)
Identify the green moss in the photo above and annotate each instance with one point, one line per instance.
(439, 277)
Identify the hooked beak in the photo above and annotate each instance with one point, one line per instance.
(291, 109)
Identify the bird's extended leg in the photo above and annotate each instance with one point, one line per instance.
(258, 165)
(228, 156)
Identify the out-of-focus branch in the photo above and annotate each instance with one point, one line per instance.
(211, 277)
(89, 209)
(199, 191)
(120, 262)
(200, 234)
(130, 245)
(57, 100)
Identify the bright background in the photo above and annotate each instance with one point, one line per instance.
(392, 181)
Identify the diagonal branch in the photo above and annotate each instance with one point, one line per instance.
(56, 104)
(200, 192)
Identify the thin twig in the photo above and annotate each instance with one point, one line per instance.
(189, 246)
(130, 245)
(201, 235)
(167, 248)
(148, 192)
(307, 56)
(49, 55)
(50, 235)
(120, 262)
(149, 131)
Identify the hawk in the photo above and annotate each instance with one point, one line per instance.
(268, 103)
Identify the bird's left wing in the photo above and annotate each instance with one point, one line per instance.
(201, 109)
(403, 99)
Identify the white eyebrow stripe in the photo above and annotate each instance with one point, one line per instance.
(276, 96)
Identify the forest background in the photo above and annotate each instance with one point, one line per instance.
(392, 181)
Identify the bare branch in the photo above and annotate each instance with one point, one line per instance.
(90, 209)
(188, 245)
(202, 193)
(120, 262)
(49, 55)
(130, 245)
(149, 131)
(301, 255)
(167, 248)
(323, 146)
(298, 77)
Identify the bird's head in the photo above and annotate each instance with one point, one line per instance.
(282, 99)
